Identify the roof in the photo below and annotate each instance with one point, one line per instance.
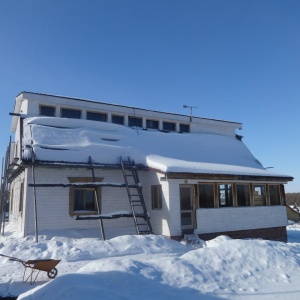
(75, 140)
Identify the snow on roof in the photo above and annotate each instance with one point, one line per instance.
(74, 140)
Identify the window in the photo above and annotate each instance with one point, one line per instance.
(168, 126)
(152, 124)
(11, 199)
(243, 194)
(156, 196)
(206, 196)
(274, 192)
(70, 113)
(184, 128)
(47, 111)
(135, 122)
(84, 199)
(93, 116)
(117, 119)
(21, 197)
(225, 195)
(259, 195)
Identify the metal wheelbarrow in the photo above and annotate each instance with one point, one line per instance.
(35, 266)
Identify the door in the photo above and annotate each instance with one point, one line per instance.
(187, 206)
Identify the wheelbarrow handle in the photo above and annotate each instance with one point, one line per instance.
(12, 258)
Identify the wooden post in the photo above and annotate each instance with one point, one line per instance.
(97, 198)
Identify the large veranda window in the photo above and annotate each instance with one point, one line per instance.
(243, 194)
(206, 195)
(225, 195)
(259, 195)
(274, 192)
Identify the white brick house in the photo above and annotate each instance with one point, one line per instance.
(197, 175)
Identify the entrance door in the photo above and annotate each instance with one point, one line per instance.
(187, 206)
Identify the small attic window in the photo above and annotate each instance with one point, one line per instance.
(70, 113)
(135, 122)
(48, 111)
(117, 119)
(94, 116)
(152, 124)
(168, 126)
(184, 128)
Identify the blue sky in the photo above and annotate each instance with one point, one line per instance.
(234, 60)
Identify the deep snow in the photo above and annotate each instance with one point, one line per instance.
(148, 267)
(75, 140)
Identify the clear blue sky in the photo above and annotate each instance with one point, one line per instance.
(235, 60)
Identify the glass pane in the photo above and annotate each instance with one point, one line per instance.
(168, 126)
(70, 113)
(274, 194)
(117, 119)
(206, 195)
(184, 128)
(96, 116)
(186, 218)
(225, 195)
(47, 111)
(135, 122)
(78, 199)
(243, 194)
(185, 198)
(259, 195)
(152, 124)
(89, 200)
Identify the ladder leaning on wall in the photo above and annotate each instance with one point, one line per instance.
(135, 196)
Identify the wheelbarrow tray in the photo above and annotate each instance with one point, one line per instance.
(46, 265)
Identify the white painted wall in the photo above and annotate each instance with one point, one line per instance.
(211, 220)
(30, 105)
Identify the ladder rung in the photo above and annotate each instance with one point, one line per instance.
(145, 232)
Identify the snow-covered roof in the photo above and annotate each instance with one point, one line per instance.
(75, 140)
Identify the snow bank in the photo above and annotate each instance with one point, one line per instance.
(148, 267)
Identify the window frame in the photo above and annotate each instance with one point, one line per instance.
(47, 107)
(72, 211)
(199, 195)
(237, 198)
(156, 197)
(134, 120)
(279, 194)
(184, 131)
(264, 196)
(113, 116)
(166, 123)
(103, 116)
(228, 201)
(65, 109)
(152, 121)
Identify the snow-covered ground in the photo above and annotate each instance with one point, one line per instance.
(152, 267)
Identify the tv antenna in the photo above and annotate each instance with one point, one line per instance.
(191, 110)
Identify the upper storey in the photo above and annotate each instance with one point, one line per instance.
(34, 104)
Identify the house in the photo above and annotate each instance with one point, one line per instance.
(70, 159)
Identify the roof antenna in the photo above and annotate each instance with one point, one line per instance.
(191, 108)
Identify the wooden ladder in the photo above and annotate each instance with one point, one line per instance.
(135, 196)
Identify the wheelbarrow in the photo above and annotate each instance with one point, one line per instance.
(35, 266)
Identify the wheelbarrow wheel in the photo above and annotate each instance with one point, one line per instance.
(52, 274)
